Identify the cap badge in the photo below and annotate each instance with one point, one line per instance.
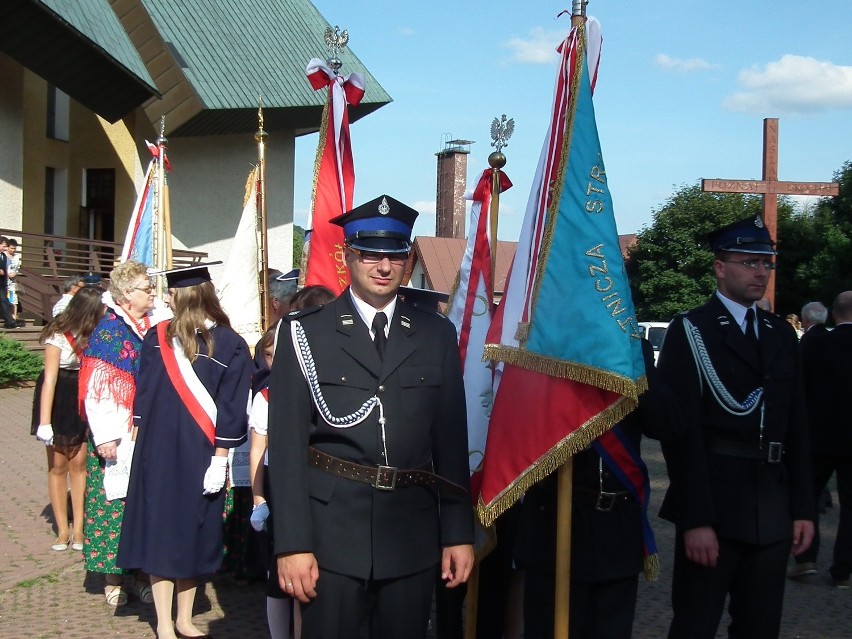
(758, 222)
(384, 207)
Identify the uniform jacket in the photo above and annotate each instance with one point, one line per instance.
(351, 527)
(825, 361)
(744, 499)
(605, 544)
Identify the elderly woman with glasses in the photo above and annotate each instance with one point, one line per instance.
(108, 371)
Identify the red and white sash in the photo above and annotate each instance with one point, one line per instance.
(189, 388)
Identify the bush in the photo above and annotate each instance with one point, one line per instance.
(17, 364)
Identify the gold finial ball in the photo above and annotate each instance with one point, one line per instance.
(497, 160)
(261, 135)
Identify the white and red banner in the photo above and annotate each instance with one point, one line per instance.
(334, 177)
(470, 308)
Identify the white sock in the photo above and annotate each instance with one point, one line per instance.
(278, 616)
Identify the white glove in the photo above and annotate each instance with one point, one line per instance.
(214, 478)
(258, 516)
(44, 433)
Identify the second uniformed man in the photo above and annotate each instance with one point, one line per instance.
(368, 446)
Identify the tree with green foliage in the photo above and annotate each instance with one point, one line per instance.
(671, 266)
(298, 244)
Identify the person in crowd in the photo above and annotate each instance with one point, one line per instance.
(278, 605)
(14, 265)
(5, 307)
(740, 486)
(281, 289)
(611, 537)
(190, 409)
(793, 320)
(108, 373)
(825, 364)
(70, 286)
(368, 448)
(56, 417)
(814, 317)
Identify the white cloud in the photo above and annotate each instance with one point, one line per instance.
(669, 63)
(406, 31)
(424, 207)
(793, 84)
(538, 48)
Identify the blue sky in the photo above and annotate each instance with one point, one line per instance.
(682, 92)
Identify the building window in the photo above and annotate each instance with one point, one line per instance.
(49, 199)
(58, 105)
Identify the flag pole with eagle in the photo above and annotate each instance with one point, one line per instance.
(470, 308)
(564, 340)
(334, 171)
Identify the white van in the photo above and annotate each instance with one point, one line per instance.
(654, 332)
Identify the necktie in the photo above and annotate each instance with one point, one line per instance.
(750, 334)
(380, 320)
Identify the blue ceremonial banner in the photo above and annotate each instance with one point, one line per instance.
(582, 314)
(139, 241)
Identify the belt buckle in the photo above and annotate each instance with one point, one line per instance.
(606, 502)
(776, 450)
(385, 478)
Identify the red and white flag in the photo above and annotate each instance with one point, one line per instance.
(470, 308)
(334, 177)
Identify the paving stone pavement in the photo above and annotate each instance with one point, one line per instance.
(45, 594)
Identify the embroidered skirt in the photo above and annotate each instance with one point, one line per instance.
(103, 519)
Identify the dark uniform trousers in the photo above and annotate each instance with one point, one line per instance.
(727, 475)
(378, 550)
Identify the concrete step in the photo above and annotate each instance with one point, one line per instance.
(26, 335)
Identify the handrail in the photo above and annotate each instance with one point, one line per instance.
(47, 260)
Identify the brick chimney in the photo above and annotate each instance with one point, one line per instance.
(452, 180)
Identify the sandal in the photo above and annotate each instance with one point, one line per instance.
(142, 590)
(115, 595)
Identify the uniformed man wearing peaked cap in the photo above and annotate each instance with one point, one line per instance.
(368, 446)
(740, 491)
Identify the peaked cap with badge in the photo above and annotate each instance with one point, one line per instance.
(382, 225)
(748, 235)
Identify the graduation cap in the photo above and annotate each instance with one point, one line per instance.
(290, 282)
(423, 296)
(749, 235)
(187, 275)
(382, 225)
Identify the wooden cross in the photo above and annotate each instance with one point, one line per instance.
(770, 187)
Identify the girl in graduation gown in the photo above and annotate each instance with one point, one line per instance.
(191, 405)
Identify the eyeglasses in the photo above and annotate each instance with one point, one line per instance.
(374, 258)
(754, 264)
(145, 289)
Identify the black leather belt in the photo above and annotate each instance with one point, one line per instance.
(604, 501)
(772, 453)
(381, 477)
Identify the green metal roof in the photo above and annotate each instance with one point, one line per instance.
(233, 51)
(81, 47)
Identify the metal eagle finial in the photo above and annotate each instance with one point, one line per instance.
(335, 40)
(501, 131)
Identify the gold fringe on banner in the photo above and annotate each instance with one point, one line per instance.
(566, 370)
(651, 567)
(572, 444)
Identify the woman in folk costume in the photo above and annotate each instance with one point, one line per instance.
(194, 388)
(56, 417)
(108, 371)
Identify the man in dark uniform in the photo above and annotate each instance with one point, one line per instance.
(740, 492)
(368, 446)
(610, 545)
(825, 364)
